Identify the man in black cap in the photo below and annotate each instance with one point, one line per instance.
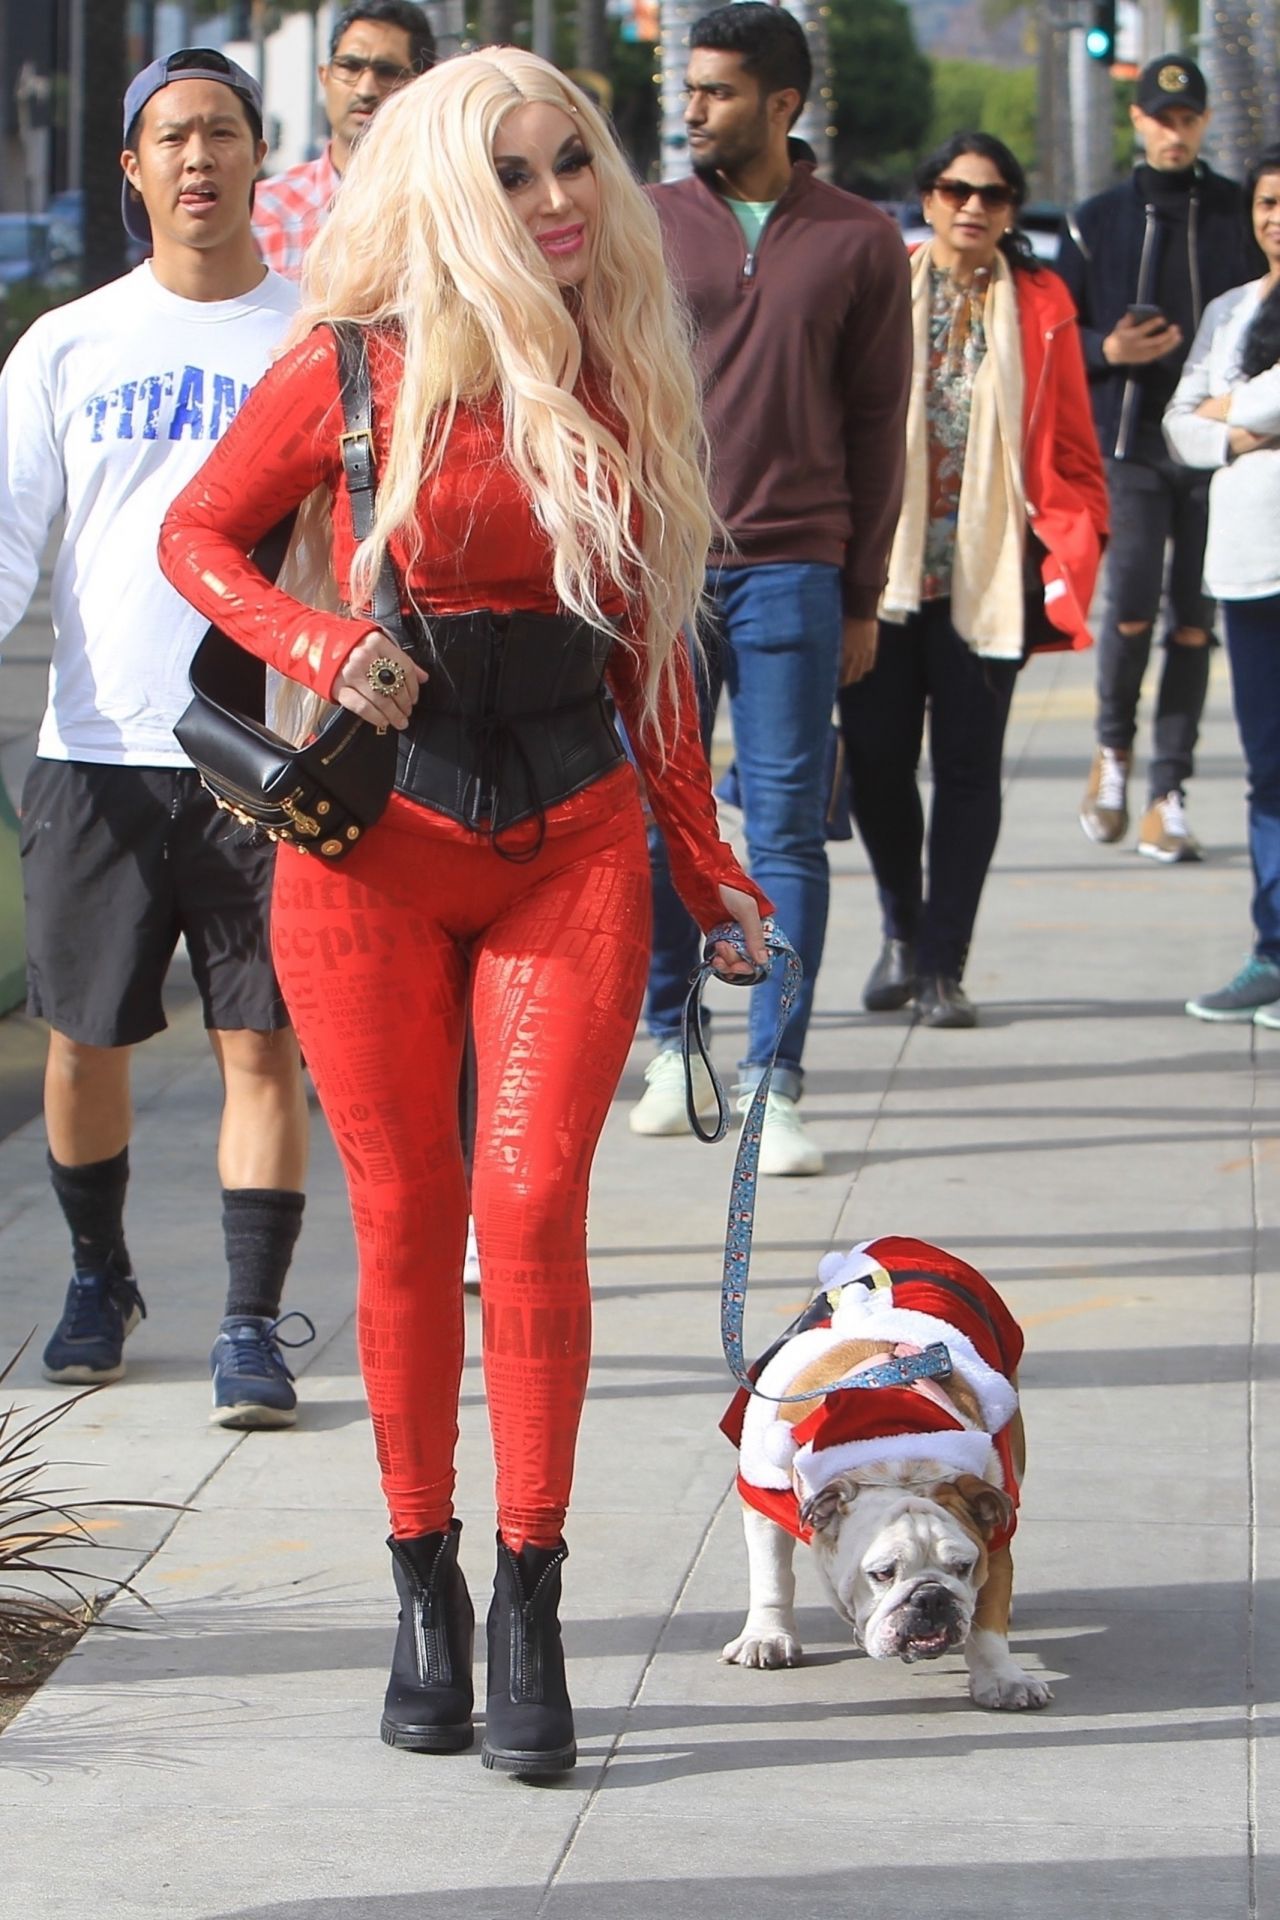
(1142, 261)
(108, 406)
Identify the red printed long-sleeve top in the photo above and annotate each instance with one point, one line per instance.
(481, 547)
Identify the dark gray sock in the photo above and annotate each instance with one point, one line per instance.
(260, 1226)
(92, 1202)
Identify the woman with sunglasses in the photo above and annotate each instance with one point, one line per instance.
(996, 552)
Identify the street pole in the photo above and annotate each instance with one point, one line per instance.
(543, 35)
(675, 19)
(1053, 100)
(1091, 110)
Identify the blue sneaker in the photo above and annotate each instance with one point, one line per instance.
(87, 1345)
(252, 1384)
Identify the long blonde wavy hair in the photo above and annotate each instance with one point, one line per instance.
(423, 239)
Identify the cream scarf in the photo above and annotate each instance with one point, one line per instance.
(986, 581)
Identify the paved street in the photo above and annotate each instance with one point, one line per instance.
(1112, 1165)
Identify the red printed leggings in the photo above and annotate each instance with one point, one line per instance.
(374, 958)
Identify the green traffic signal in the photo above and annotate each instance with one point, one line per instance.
(1100, 34)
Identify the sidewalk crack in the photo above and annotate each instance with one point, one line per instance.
(580, 1820)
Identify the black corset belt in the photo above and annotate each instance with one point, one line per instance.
(514, 718)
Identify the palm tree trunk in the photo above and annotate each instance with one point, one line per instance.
(1228, 54)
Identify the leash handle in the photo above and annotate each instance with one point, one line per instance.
(934, 1363)
(692, 1024)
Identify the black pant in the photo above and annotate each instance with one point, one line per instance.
(1155, 503)
(926, 663)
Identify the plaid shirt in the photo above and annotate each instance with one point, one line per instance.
(289, 211)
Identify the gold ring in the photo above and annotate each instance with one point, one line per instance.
(385, 677)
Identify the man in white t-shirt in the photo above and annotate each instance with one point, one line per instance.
(108, 406)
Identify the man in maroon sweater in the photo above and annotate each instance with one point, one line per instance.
(799, 292)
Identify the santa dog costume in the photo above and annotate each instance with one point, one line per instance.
(907, 1492)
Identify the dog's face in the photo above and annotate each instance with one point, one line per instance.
(905, 1567)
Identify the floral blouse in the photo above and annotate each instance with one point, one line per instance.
(957, 343)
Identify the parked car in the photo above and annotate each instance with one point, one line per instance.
(65, 214)
(34, 249)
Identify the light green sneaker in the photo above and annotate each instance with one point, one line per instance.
(785, 1146)
(661, 1107)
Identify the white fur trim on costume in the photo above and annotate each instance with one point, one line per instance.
(863, 1315)
(779, 1442)
(757, 1459)
(838, 1269)
(967, 1452)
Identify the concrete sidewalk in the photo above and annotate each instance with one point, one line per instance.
(1110, 1163)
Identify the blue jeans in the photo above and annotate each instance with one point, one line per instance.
(1253, 650)
(774, 643)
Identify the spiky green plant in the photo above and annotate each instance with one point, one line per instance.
(38, 1521)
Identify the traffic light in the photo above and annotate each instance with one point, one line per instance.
(1100, 34)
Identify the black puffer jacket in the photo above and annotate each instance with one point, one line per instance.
(1110, 259)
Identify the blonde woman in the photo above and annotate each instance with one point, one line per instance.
(541, 495)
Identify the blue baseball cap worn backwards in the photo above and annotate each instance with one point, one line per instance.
(189, 63)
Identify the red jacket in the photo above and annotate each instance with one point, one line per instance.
(1062, 468)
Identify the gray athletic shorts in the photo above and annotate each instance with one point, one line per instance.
(118, 863)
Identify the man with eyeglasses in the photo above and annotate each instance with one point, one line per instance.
(375, 49)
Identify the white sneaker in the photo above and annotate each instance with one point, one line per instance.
(785, 1147)
(661, 1107)
(471, 1261)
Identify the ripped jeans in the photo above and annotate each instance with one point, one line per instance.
(1156, 505)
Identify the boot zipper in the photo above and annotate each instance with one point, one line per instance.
(526, 1667)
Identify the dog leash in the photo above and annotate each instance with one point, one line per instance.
(934, 1362)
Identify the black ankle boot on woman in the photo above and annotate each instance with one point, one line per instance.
(528, 1719)
(429, 1695)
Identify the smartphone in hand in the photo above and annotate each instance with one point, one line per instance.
(1141, 312)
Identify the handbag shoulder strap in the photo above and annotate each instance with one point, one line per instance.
(229, 675)
(359, 465)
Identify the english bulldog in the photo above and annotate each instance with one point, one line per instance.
(907, 1493)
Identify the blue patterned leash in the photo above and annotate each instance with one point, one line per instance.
(934, 1363)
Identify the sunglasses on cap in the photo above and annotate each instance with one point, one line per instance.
(958, 193)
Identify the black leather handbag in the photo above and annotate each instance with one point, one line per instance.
(321, 797)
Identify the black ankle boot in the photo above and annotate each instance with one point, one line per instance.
(528, 1719)
(429, 1695)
